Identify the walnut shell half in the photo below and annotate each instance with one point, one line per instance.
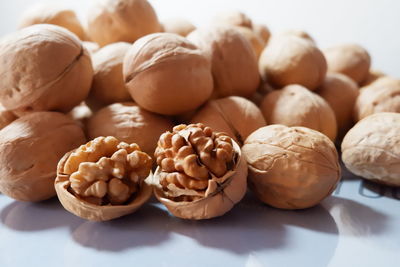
(201, 174)
(103, 179)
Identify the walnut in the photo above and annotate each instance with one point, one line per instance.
(371, 149)
(291, 167)
(103, 174)
(200, 173)
(351, 60)
(30, 148)
(178, 26)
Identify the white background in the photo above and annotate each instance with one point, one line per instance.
(355, 227)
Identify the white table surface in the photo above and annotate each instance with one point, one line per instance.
(358, 226)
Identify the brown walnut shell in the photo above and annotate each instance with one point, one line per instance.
(291, 167)
(198, 189)
(178, 26)
(293, 60)
(234, 115)
(91, 202)
(167, 74)
(30, 148)
(371, 149)
(111, 21)
(58, 78)
(351, 60)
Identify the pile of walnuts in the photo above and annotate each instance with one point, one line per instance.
(107, 115)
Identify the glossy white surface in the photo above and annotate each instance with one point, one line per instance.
(357, 226)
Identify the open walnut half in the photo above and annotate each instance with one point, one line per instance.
(103, 179)
(201, 173)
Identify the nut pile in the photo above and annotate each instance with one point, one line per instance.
(130, 106)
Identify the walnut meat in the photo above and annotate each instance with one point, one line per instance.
(167, 74)
(294, 105)
(111, 21)
(234, 115)
(291, 167)
(103, 179)
(292, 60)
(200, 173)
(58, 76)
(371, 149)
(30, 148)
(53, 14)
(383, 95)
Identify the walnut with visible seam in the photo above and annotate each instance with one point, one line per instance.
(200, 172)
(103, 173)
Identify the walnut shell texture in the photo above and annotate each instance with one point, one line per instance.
(294, 105)
(108, 83)
(383, 95)
(200, 173)
(233, 61)
(291, 167)
(30, 148)
(103, 179)
(111, 21)
(292, 60)
(351, 60)
(58, 78)
(234, 115)
(53, 14)
(167, 74)
(341, 93)
(129, 123)
(371, 149)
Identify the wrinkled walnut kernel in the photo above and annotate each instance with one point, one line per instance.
(190, 156)
(106, 171)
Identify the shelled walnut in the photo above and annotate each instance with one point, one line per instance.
(103, 179)
(200, 173)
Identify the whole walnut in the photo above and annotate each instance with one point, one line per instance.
(233, 18)
(178, 26)
(201, 173)
(291, 167)
(103, 179)
(234, 115)
(53, 14)
(371, 149)
(294, 105)
(167, 74)
(383, 95)
(111, 21)
(262, 32)
(351, 60)
(341, 93)
(108, 82)
(58, 76)
(233, 62)
(129, 123)
(290, 59)
(30, 148)
(256, 42)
